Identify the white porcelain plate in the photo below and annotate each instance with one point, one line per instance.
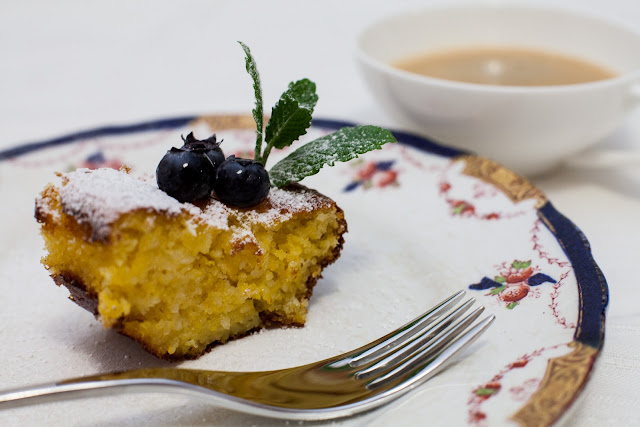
(424, 221)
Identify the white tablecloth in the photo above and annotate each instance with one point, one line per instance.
(71, 65)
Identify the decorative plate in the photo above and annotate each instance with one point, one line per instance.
(424, 221)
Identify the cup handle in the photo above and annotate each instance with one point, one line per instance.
(605, 158)
(634, 98)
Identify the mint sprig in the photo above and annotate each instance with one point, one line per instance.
(258, 116)
(290, 119)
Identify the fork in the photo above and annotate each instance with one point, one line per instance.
(354, 382)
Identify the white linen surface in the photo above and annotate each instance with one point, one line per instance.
(72, 65)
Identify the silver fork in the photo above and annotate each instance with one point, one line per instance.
(344, 385)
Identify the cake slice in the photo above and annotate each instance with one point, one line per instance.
(180, 277)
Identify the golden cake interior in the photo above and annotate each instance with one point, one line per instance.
(178, 285)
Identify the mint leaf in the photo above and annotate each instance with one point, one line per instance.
(340, 146)
(500, 279)
(291, 116)
(304, 91)
(258, 116)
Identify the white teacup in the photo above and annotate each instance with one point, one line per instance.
(530, 129)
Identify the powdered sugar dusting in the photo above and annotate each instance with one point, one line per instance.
(99, 197)
(243, 236)
(283, 204)
(44, 208)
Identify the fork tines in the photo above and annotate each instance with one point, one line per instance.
(422, 347)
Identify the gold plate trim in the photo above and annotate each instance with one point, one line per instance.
(563, 380)
(511, 184)
(226, 121)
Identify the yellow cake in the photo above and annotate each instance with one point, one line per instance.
(180, 278)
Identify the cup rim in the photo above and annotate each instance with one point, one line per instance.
(632, 76)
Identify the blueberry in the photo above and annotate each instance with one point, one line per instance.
(185, 175)
(241, 182)
(207, 146)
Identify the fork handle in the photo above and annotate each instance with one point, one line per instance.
(53, 392)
